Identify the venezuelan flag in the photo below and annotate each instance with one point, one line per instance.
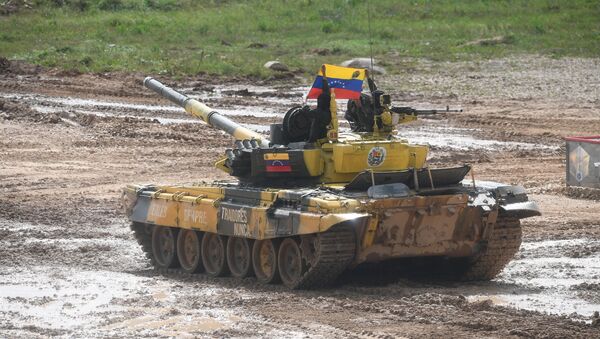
(277, 162)
(346, 82)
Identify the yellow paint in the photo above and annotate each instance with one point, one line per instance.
(162, 212)
(276, 156)
(196, 208)
(200, 216)
(370, 232)
(386, 118)
(198, 109)
(339, 72)
(313, 161)
(352, 157)
(220, 164)
(332, 133)
(267, 196)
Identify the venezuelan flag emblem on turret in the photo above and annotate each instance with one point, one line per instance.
(277, 162)
(346, 82)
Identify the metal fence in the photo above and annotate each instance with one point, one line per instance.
(583, 161)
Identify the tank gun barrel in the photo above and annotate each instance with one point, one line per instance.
(208, 115)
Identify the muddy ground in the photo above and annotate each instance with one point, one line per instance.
(71, 267)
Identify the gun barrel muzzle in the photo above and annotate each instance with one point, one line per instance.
(164, 91)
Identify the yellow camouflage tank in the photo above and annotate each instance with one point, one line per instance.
(303, 212)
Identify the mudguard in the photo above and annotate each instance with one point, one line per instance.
(512, 200)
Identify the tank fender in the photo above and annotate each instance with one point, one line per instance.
(521, 210)
(331, 220)
(139, 212)
(298, 223)
(512, 199)
(135, 201)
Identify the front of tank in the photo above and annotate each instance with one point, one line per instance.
(451, 225)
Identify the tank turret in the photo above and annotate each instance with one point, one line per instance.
(294, 158)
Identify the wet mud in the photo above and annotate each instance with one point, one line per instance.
(69, 265)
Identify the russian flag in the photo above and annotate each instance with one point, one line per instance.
(346, 82)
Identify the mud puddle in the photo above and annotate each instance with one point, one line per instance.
(554, 276)
(461, 139)
(434, 133)
(60, 298)
(266, 94)
(162, 114)
(48, 104)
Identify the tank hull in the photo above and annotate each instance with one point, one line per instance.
(455, 222)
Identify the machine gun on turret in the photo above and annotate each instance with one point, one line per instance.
(374, 112)
(414, 111)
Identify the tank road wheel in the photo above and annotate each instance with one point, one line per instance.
(289, 262)
(264, 261)
(164, 247)
(239, 257)
(213, 254)
(188, 251)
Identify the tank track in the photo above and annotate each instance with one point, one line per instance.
(143, 235)
(336, 251)
(501, 247)
(337, 248)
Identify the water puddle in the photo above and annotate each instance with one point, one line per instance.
(433, 134)
(549, 276)
(78, 102)
(47, 104)
(266, 94)
(64, 298)
(460, 139)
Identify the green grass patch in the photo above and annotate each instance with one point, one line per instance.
(186, 37)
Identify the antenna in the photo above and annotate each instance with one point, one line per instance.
(370, 77)
(370, 36)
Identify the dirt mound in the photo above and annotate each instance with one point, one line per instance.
(4, 64)
(582, 192)
(12, 109)
(13, 6)
(17, 67)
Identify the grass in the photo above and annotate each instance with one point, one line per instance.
(187, 37)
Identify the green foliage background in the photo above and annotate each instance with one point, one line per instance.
(183, 37)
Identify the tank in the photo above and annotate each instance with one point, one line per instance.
(315, 201)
